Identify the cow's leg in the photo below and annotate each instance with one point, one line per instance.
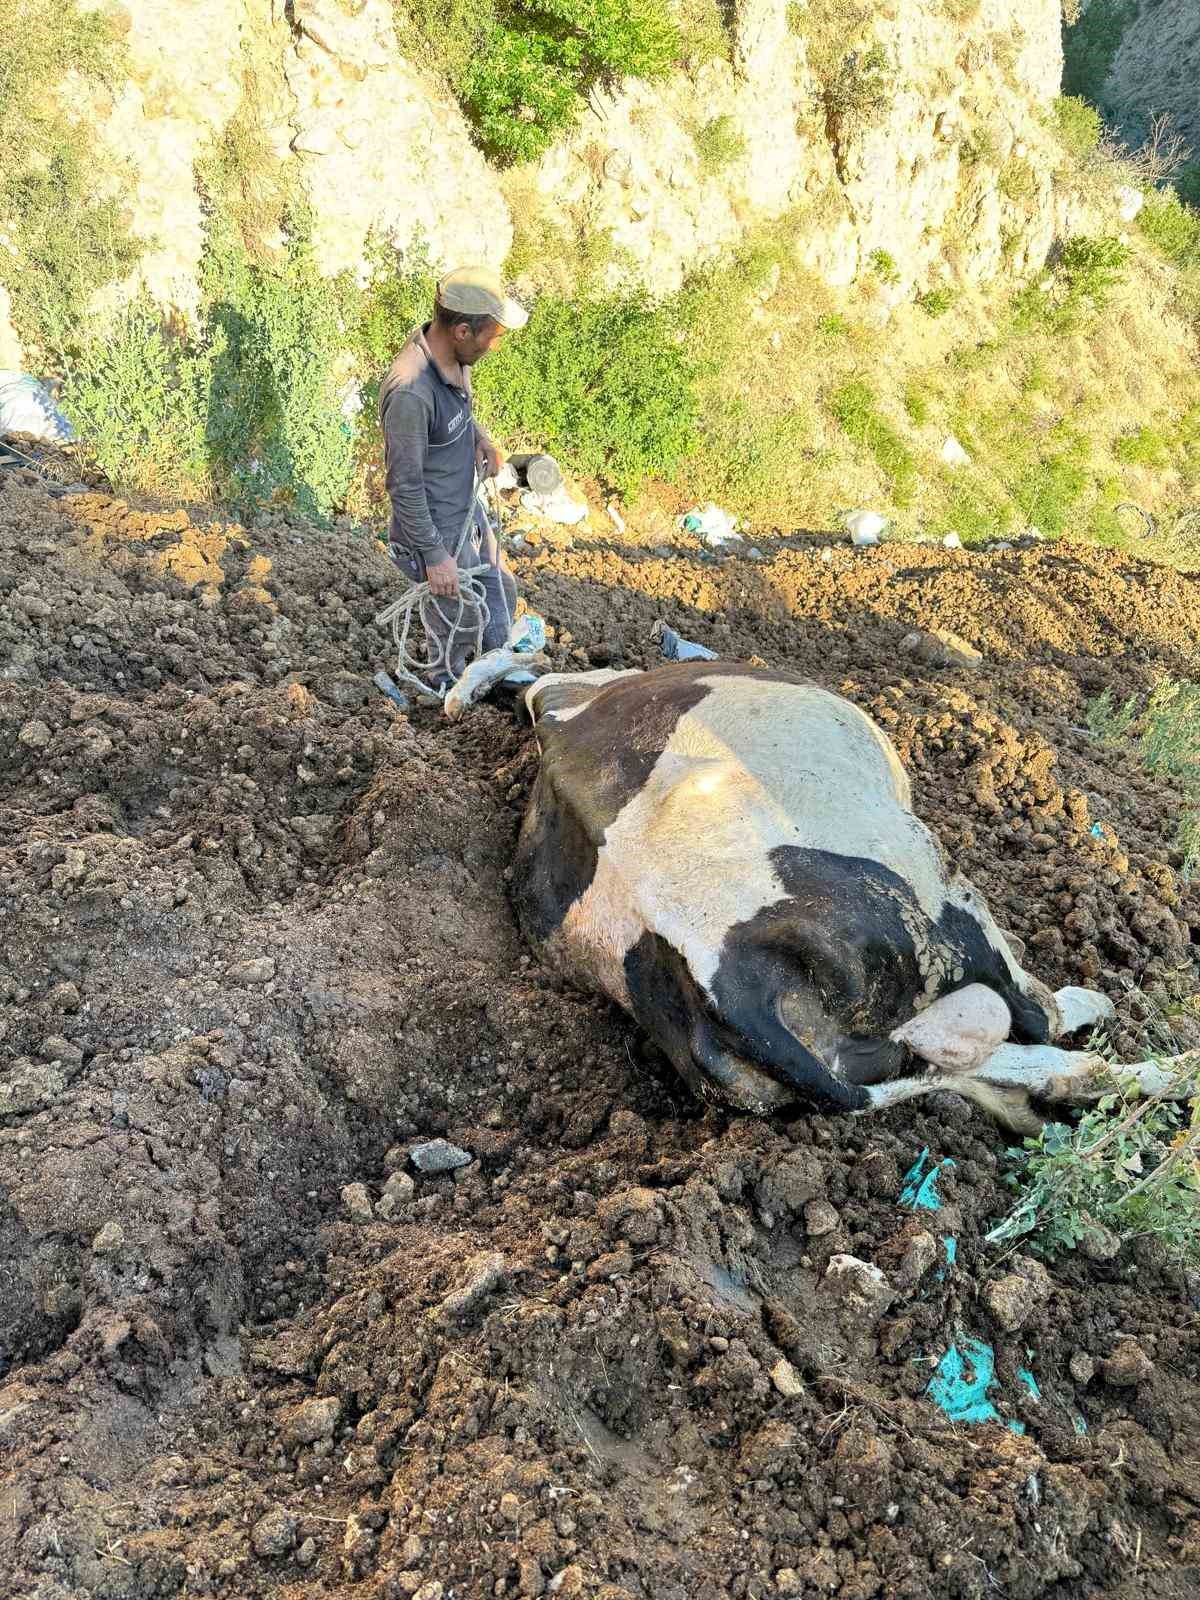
(1077, 1077)
(1007, 1103)
(1081, 1008)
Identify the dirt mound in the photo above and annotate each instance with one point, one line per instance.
(258, 947)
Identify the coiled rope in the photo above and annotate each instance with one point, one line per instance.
(420, 602)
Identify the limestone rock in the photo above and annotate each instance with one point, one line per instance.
(357, 1202)
(310, 1421)
(274, 1534)
(861, 1286)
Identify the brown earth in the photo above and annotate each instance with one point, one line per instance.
(257, 943)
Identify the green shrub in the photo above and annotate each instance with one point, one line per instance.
(854, 407)
(718, 144)
(139, 400)
(1172, 227)
(1091, 267)
(1078, 124)
(1049, 490)
(936, 302)
(979, 148)
(834, 327)
(275, 430)
(1187, 183)
(1128, 1168)
(1143, 447)
(1090, 45)
(1018, 180)
(61, 212)
(529, 77)
(883, 265)
(604, 380)
(855, 87)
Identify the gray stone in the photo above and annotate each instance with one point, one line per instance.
(35, 734)
(260, 969)
(1128, 1366)
(357, 1202)
(274, 1534)
(786, 1379)
(438, 1155)
(310, 1421)
(820, 1218)
(860, 1285)
(482, 1273)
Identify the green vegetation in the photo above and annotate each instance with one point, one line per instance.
(719, 144)
(883, 265)
(1166, 736)
(1090, 45)
(64, 224)
(523, 70)
(1143, 447)
(1018, 180)
(855, 407)
(1129, 1169)
(1086, 272)
(1078, 125)
(1172, 227)
(936, 302)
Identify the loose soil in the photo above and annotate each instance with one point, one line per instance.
(256, 944)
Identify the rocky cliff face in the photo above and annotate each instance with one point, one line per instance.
(917, 129)
(1157, 68)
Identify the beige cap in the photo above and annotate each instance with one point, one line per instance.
(476, 292)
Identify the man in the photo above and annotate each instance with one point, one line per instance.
(433, 448)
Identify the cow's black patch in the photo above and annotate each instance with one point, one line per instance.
(555, 861)
(707, 1045)
(838, 957)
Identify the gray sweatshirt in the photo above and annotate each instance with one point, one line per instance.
(429, 441)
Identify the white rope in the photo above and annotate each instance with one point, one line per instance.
(419, 601)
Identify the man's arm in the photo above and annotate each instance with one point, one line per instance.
(406, 444)
(488, 454)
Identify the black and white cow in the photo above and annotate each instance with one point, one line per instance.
(730, 854)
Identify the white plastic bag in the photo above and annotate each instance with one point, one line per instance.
(26, 407)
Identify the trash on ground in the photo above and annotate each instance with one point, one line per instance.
(950, 1245)
(920, 1187)
(952, 542)
(618, 519)
(1030, 1382)
(507, 478)
(953, 453)
(865, 527)
(1096, 831)
(528, 634)
(712, 524)
(26, 408)
(539, 472)
(827, 554)
(676, 648)
(383, 680)
(961, 1383)
(558, 506)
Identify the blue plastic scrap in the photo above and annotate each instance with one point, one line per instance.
(1030, 1382)
(962, 1380)
(920, 1192)
(674, 647)
(950, 1244)
(1097, 831)
(528, 634)
(1080, 1424)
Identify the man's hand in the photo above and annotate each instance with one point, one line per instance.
(489, 458)
(442, 577)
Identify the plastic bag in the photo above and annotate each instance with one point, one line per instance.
(715, 527)
(674, 647)
(528, 634)
(26, 407)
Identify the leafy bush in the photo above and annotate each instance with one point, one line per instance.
(1172, 227)
(1129, 1168)
(1090, 45)
(936, 302)
(853, 405)
(883, 265)
(718, 144)
(1091, 267)
(58, 211)
(854, 87)
(1078, 124)
(604, 380)
(139, 399)
(535, 64)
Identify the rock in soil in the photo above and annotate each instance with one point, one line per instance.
(258, 949)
